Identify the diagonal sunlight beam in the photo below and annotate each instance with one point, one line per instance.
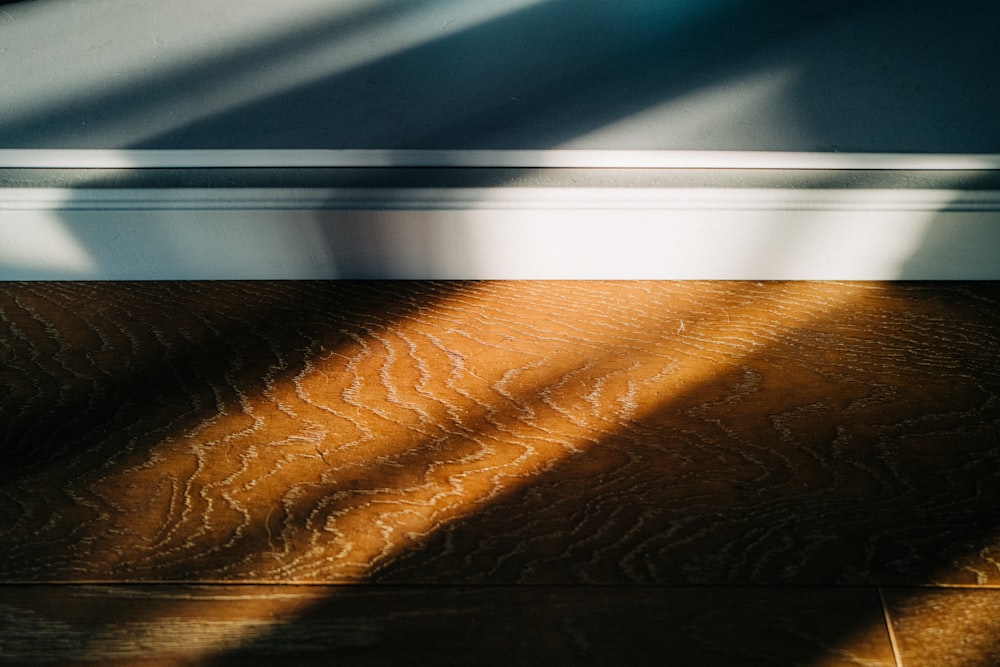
(551, 396)
(953, 626)
(336, 398)
(226, 59)
(331, 461)
(368, 459)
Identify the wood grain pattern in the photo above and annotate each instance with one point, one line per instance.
(932, 627)
(545, 433)
(240, 625)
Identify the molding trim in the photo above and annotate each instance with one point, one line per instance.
(528, 159)
(545, 225)
(167, 200)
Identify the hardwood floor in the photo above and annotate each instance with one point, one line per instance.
(500, 472)
(266, 624)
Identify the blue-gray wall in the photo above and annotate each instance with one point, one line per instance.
(844, 75)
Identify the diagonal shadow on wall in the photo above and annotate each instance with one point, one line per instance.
(565, 501)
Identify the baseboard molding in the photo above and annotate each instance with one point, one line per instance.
(572, 215)
(529, 159)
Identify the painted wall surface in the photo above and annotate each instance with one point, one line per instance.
(828, 75)
(833, 76)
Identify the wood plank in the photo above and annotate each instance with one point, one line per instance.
(941, 626)
(507, 432)
(221, 625)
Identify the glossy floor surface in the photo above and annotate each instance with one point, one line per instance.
(500, 473)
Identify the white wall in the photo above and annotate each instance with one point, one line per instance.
(848, 77)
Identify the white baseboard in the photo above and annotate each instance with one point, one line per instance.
(717, 230)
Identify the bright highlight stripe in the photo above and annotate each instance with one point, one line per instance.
(528, 159)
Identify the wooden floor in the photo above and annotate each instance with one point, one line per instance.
(693, 473)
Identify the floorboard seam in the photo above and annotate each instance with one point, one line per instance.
(888, 626)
